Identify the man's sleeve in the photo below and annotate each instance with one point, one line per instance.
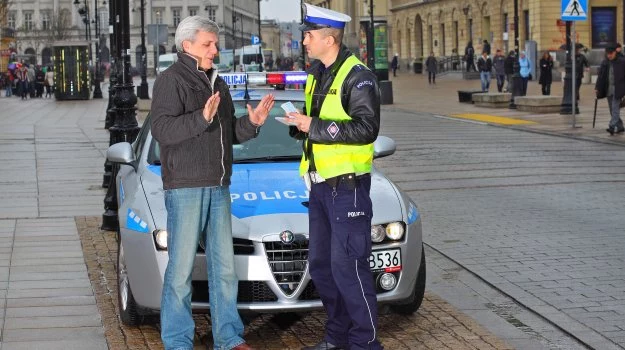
(170, 124)
(362, 97)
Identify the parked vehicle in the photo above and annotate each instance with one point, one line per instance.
(166, 60)
(249, 58)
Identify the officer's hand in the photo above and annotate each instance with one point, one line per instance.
(210, 108)
(260, 113)
(302, 121)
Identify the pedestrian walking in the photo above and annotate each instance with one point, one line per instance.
(22, 77)
(431, 64)
(485, 66)
(499, 65)
(525, 72)
(509, 68)
(546, 65)
(49, 82)
(581, 65)
(338, 130)
(486, 47)
(31, 80)
(611, 84)
(469, 54)
(9, 84)
(395, 64)
(619, 49)
(40, 78)
(194, 123)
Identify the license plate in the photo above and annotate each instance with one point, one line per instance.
(388, 260)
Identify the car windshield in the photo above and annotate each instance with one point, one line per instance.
(273, 143)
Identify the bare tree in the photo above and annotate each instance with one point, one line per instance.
(4, 11)
(57, 28)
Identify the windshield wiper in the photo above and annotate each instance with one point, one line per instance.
(268, 159)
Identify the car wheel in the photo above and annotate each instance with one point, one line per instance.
(419, 291)
(126, 302)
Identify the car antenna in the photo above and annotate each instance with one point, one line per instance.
(246, 97)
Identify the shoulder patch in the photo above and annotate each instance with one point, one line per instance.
(364, 83)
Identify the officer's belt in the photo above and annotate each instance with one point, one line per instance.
(349, 179)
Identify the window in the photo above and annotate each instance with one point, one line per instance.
(192, 11)
(176, 16)
(11, 20)
(158, 16)
(526, 21)
(211, 13)
(45, 20)
(28, 20)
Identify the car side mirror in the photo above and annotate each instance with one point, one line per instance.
(383, 146)
(121, 153)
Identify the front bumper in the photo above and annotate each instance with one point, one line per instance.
(259, 290)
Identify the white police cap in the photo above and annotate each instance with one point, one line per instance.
(316, 17)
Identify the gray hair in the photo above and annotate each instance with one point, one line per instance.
(189, 26)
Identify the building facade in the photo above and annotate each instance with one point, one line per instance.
(439, 26)
(359, 11)
(38, 23)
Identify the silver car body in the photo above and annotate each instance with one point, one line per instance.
(267, 200)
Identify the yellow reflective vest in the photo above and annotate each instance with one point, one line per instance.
(336, 159)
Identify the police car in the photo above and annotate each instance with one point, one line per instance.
(269, 220)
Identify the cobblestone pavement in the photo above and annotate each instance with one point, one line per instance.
(436, 325)
(539, 217)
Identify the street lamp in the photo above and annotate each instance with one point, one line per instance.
(516, 77)
(125, 127)
(143, 88)
(371, 48)
(567, 99)
(84, 13)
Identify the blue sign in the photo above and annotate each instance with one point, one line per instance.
(574, 10)
(255, 40)
(294, 44)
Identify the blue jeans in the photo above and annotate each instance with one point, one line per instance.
(615, 112)
(485, 78)
(194, 213)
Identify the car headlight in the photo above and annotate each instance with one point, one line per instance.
(160, 237)
(377, 233)
(395, 230)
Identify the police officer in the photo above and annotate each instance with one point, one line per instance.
(339, 125)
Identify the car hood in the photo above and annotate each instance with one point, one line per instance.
(268, 198)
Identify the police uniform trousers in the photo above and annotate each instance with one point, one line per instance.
(339, 249)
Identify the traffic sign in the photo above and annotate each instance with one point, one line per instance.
(255, 40)
(574, 10)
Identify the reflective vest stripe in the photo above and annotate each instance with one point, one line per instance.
(336, 159)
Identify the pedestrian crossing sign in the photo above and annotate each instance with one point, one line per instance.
(574, 10)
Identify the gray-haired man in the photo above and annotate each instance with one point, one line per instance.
(193, 121)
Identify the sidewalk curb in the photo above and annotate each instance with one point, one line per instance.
(513, 127)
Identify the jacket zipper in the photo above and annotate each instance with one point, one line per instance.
(211, 82)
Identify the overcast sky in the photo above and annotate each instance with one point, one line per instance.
(280, 10)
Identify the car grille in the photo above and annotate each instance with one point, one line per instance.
(241, 246)
(248, 292)
(288, 263)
